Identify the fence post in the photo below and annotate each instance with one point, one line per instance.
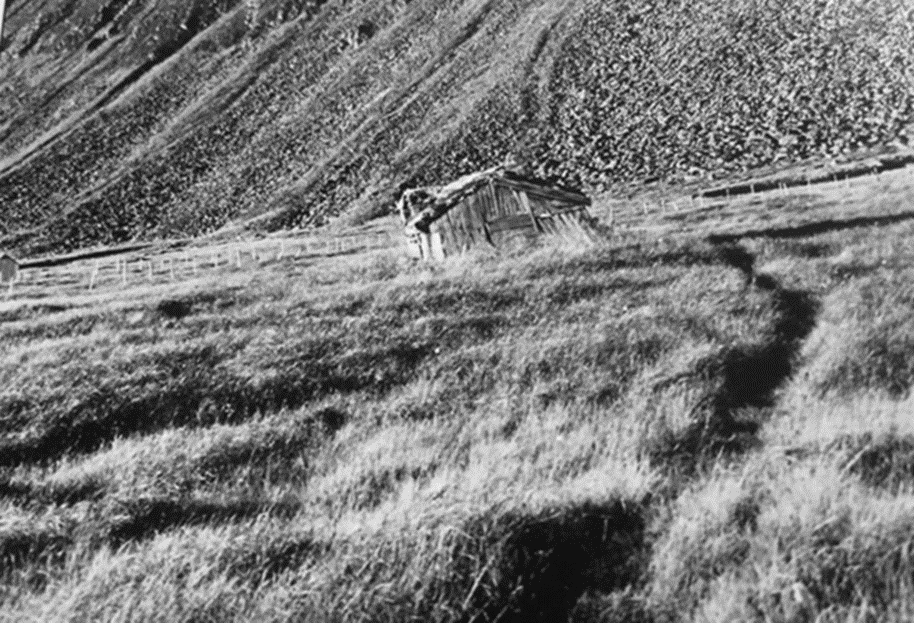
(93, 274)
(150, 270)
(124, 272)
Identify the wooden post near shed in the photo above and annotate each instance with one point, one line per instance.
(9, 268)
(2, 19)
(94, 274)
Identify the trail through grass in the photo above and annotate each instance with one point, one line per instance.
(673, 429)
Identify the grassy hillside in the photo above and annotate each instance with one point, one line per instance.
(704, 417)
(146, 118)
(661, 427)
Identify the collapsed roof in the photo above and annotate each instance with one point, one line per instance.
(421, 206)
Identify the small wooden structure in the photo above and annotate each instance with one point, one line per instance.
(9, 268)
(498, 207)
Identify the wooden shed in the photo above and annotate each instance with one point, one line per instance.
(9, 268)
(495, 207)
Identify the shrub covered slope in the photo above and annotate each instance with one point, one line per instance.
(139, 118)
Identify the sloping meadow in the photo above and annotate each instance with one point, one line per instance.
(817, 524)
(364, 438)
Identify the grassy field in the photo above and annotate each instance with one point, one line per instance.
(700, 419)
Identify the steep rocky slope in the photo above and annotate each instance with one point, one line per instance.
(142, 118)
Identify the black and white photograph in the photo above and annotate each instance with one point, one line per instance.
(456, 311)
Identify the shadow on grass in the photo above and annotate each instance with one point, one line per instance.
(28, 494)
(140, 519)
(815, 228)
(633, 256)
(259, 566)
(24, 549)
(548, 560)
(144, 518)
(881, 461)
(200, 396)
(749, 378)
(201, 387)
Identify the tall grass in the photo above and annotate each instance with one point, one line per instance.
(642, 431)
(814, 525)
(445, 440)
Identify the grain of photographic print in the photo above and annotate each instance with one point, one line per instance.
(456, 311)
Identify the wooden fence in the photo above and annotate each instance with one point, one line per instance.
(622, 213)
(165, 265)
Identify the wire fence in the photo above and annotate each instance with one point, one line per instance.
(167, 265)
(636, 210)
(177, 265)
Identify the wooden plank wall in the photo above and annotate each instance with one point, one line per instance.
(567, 224)
(550, 204)
(506, 202)
(497, 213)
(559, 217)
(464, 225)
(512, 221)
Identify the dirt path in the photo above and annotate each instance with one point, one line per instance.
(750, 378)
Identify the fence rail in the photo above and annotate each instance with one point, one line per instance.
(149, 265)
(179, 261)
(634, 211)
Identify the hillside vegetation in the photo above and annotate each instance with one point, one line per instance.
(148, 118)
(647, 429)
(704, 416)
